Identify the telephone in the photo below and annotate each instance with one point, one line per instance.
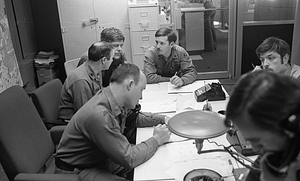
(240, 144)
(236, 139)
(211, 92)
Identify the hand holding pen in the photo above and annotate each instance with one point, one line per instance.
(177, 81)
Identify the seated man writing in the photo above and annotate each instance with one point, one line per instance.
(168, 62)
(94, 144)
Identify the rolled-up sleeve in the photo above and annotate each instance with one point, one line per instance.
(150, 68)
(149, 119)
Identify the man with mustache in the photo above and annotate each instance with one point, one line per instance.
(274, 54)
(168, 62)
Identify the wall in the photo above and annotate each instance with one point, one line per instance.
(47, 25)
(274, 10)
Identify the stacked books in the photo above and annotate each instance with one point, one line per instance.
(45, 57)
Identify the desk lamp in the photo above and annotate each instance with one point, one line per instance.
(201, 125)
(198, 125)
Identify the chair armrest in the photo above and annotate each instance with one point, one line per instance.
(56, 133)
(46, 177)
(54, 122)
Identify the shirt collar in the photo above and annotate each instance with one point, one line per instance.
(288, 70)
(172, 56)
(115, 108)
(92, 74)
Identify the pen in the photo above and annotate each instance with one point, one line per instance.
(175, 73)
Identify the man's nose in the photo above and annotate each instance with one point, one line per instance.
(265, 62)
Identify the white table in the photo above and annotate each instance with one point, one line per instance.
(155, 168)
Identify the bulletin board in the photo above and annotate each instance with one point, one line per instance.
(9, 69)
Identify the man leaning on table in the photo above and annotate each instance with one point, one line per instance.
(94, 144)
(167, 61)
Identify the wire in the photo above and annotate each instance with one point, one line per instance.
(237, 156)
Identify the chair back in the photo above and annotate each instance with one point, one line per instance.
(25, 143)
(71, 65)
(46, 99)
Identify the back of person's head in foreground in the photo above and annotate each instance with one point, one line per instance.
(100, 50)
(274, 44)
(168, 32)
(261, 106)
(129, 81)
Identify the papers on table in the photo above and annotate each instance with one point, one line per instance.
(183, 157)
(159, 106)
(190, 88)
(186, 150)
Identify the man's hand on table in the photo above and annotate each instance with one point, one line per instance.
(161, 133)
(177, 81)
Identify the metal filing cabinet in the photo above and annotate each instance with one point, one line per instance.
(143, 20)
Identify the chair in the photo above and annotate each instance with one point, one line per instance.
(70, 65)
(46, 100)
(26, 146)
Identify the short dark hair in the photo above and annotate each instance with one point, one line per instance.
(123, 71)
(274, 44)
(111, 35)
(99, 50)
(267, 97)
(166, 32)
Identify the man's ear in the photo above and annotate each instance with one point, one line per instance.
(103, 59)
(286, 59)
(172, 43)
(130, 84)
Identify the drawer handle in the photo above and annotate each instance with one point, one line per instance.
(91, 21)
(144, 47)
(144, 23)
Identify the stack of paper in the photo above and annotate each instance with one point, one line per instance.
(45, 57)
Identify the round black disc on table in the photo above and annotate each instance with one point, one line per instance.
(197, 124)
(203, 175)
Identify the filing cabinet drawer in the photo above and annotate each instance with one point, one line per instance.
(143, 18)
(142, 41)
